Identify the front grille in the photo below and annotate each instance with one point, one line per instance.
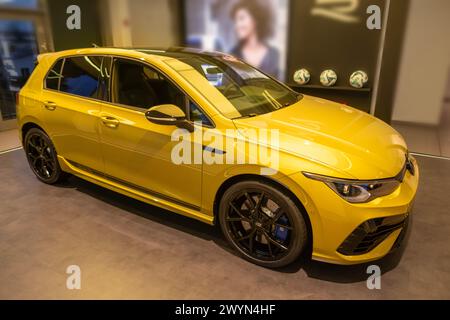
(370, 234)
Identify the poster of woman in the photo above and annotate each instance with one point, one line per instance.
(251, 30)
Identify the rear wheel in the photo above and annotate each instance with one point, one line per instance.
(262, 223)
(41, 156)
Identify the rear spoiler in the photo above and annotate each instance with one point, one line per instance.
(42, 56)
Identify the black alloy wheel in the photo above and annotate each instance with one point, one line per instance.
(263, 224)
(41, 156)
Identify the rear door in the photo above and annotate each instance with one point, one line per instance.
(72, 102)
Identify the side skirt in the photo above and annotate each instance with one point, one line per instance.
(135, 192)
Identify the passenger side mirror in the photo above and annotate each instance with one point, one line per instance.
(169, 114)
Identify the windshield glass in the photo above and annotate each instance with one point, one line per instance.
(250, 91)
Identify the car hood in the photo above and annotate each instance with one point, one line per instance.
(345, 139)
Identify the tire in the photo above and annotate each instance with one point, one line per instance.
(42, 158)
(270, 232)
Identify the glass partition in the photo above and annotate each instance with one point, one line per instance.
(18, 51)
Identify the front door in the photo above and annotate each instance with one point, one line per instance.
(137, 152)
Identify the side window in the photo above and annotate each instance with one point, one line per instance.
(196, 115)
(151, 74)
(80, 76)
(140, 86)
(53, 76)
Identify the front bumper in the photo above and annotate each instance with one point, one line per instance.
(348, 233)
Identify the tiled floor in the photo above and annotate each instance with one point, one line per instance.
(127, 249)
(420, 139)
(426, 139)
(9, 140)
(434, 140)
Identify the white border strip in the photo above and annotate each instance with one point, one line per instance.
(413, 153)
(429, 156)
(11, 150)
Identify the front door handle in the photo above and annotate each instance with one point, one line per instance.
(213, 150)
(110, 122)
(50, 105)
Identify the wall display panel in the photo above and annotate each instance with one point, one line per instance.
(253, 30)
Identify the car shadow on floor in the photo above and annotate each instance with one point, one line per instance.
(314, 269)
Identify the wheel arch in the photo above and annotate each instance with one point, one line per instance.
(27, 127)
(246, 177)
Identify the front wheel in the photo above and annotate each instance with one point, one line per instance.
(263, 224)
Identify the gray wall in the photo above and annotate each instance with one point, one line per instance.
(424, 64)
(155, 23)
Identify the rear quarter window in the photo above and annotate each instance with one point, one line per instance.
(53, 76)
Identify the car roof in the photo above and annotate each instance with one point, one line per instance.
(178, 53)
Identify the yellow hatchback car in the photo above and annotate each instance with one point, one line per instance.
(207, 136)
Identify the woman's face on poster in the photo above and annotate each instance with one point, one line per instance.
(245, 25)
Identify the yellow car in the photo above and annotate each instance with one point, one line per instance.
(207, 136)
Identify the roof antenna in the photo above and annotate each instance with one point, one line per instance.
(94, 45)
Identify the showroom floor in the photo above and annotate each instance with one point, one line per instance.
(127, 249)
(9, 139)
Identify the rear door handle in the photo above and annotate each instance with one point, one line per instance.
(110, 122)
(50, 105)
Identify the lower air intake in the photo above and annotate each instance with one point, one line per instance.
(370, 234)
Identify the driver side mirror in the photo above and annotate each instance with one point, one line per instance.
(169, 114)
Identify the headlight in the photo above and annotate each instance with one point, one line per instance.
(357, 191)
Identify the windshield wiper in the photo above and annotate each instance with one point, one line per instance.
(287, 104)
(251, 115)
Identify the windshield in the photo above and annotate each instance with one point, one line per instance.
(250, 91)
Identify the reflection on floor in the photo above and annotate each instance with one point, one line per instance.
(434, 140)
(9, 140)
(130, 250)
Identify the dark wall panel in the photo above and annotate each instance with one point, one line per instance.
(398, 14)
(333, 36)
(90, 32)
